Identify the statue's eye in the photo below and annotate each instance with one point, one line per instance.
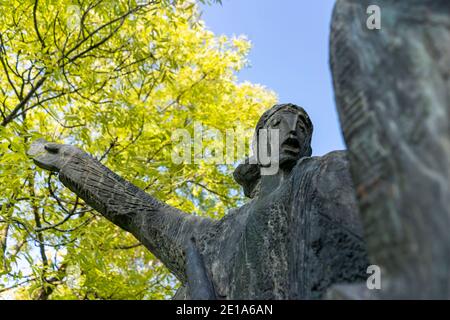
(275, 122)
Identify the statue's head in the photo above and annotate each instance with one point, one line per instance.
(294, 132)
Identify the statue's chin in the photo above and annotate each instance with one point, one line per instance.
(287, 162)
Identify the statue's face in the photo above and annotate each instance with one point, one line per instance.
(292, 136)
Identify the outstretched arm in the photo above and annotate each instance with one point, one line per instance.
(164, 230)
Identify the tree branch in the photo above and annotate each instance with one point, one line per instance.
(36, 24)
(23, 102)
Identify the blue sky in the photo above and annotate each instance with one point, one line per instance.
(289, 55)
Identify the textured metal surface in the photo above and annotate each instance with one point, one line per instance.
(392, 92)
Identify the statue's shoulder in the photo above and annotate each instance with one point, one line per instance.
(334, 158)
(334, 162)
(332, 173)
(333, 189)
(328, 177)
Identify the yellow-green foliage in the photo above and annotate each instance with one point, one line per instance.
(115, 78)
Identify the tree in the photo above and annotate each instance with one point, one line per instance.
(115, 77)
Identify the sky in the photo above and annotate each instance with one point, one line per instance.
(289, 55)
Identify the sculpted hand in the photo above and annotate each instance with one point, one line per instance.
(52, 156)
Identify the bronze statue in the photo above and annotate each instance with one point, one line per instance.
(297, 235)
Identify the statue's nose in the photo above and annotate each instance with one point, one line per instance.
(292, 124)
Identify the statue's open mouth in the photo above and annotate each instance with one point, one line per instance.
(291, 145)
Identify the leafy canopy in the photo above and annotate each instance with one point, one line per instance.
(115, 78)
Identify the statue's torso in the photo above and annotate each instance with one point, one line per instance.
(292, 243)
